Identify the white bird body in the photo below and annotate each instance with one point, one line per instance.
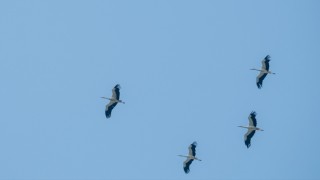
(191, 157)
(263, 71)
(114, 100)
(251, 128)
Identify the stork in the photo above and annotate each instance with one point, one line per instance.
(252, 128)
(114, 100)
(190, 157)
(264, 71)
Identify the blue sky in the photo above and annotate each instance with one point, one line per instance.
(184, 70)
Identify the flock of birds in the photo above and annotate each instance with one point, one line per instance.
(251, 128)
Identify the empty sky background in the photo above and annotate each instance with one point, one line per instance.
(184, 70)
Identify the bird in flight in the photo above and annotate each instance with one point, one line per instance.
(252, 128)
(190, 157)
(114, 100)
(264, 71)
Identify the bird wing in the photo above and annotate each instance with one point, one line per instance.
(192, 149)
(186, 165)
(265, 63)
(109, 108)
(252, 119)
(116, 92)
(248, 136)
(260, 78)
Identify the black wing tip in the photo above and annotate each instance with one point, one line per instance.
(186, 170)
(259, 85)
(247, 143)
(253, 113)
(117, 86)
(267, 58)
(195, 143)
(108, 115)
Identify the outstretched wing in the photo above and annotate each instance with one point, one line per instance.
(265, 63)
(109, 108)
(252, 119)
(248, 136)
(186, 165)
(192, 149)
(260, 79)
(116, 92)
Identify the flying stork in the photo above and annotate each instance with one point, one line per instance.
(264, 71)
(190, 157)
(114, 100)
(252, 128)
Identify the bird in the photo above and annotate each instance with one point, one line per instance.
(252, 128)
(264, 71)
(114, 100)
(190, 157)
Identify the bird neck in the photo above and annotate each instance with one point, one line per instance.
(183, 156)
(255, 69)
(244, 127)
(105, 98)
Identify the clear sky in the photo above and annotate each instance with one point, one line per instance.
(184, 70)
